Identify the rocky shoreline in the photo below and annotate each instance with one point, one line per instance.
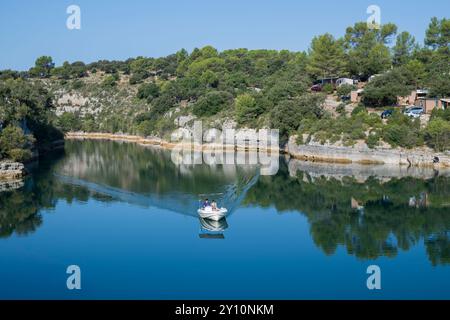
(10, 170)
(313, 152)
(158, 142)
(362, 154)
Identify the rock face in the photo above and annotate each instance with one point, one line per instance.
(182, 121)
(11, 170)
(362, 154)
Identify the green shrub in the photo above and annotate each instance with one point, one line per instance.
(14, 144)
(345, 90)
(359, 109)
(384, 89)
(89, 123)
(148, 91)
(347, 129)
(77, 84)
(373, 140)
(328, 88)
(19, 154)
(109, 81)
(402, 135)
(162, 104)
(285, 118)
(340, 108)
(69, 121)
(437, 134)
(138, 77)
(212, 103)
(441, 113)
(246, 108)
(145, 128)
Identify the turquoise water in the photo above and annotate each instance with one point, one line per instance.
(126, 215)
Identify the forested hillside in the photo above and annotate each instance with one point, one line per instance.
(247, 88)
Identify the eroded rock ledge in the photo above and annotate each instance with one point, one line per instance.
(11, 170)
(362, 154)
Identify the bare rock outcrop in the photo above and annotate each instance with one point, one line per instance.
(11, 170)
(362, 154)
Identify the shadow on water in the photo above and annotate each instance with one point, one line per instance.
(370, 211)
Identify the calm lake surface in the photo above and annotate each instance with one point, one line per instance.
(126, 214)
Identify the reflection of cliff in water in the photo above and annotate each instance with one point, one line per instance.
(371, 219)
(361, 172)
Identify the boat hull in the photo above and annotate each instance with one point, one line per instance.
(215, 215)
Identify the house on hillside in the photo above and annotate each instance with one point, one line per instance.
(417, 94)
(327, 80)
(412, 97)
(428, 104)
(356, 95)
(445, 103)
(420, 98)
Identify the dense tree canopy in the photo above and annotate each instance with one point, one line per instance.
(326, 57)
(25, 115)
(404, 48)
(366, 47)
(43, 67)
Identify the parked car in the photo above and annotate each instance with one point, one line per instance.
(386, 114)
(316, 87)
(413, 111)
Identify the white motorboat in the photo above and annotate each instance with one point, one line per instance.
(212, 214)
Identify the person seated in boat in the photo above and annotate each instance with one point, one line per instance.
(206, 204)
(214, 205)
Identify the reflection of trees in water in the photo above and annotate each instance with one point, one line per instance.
(20, 209)
(123, 167)
(438, 248)
(385, 224)
(131, 167)
(18, 213)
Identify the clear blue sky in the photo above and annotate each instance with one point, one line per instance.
(121, 29)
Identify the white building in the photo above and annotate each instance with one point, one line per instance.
(342, 81)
